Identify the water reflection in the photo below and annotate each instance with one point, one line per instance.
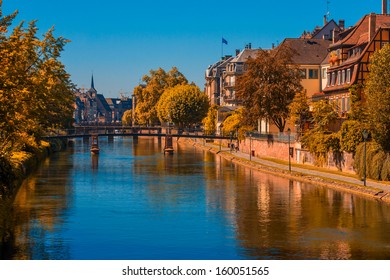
(134, 202)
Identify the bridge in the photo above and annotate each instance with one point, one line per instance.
(135, 131)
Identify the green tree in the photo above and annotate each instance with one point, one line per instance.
(269, 86)
(377, 92)
(127, 118)
(148, 95)
(183, 105)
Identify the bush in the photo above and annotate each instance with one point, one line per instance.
(377, 162)
(385, 175)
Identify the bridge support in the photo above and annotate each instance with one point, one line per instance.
(168, 145)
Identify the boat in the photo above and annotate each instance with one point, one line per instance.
(95, 145)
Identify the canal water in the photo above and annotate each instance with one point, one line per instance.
(132, 202)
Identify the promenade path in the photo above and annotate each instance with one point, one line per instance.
(295, 168)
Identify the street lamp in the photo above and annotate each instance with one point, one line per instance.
(250, 146)
(289, 149)
(365, 137)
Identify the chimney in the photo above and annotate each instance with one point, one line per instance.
(342, 24)
(273, 45)
(371, 25)
(325, 21)
(237, 52)
(384, 7)
(335, 35)
(250, 46)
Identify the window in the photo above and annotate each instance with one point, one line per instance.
(348, 78)
(333, 78)
(303, 73)
(338, 78)
(328, 80)
(323, 73)
(343, 77)
(313, 73)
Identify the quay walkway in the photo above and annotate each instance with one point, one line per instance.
(381, 189)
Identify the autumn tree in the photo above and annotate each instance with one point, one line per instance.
(183, 105)
(147, 95)
(269, 86)
(127, 118)
(377, 92)
(35, 90)
(234, 123)
(210, 121)
(320, 140)
(300, 111)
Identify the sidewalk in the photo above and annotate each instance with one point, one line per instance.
(302, 170)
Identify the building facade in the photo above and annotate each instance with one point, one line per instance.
(349, 58)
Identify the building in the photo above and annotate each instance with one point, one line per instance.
(214, 79)
(309, 54)
(91, 107)
(118, 107)
(349, 57)
(234, 68)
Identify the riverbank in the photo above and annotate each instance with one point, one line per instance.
(22, 164)
(345, 183)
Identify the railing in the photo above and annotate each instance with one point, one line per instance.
(280, 137)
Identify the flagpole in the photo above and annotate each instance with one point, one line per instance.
(222, 48)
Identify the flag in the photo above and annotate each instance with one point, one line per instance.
(224, 41)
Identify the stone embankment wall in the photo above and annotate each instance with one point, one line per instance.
(265, 148)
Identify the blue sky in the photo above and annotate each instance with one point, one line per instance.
(121, 40)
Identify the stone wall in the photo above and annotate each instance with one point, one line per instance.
(269, 148)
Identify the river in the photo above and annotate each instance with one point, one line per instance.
(134, 202)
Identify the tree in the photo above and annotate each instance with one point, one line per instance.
(377, 92)
(210, 121)
(147, 95)
(320, 140)
(234, 124)
(269, 86)
(127, 118)
(183, 105)
(35, 91)
(300, 111)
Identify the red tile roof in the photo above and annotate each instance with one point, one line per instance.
(359, 34)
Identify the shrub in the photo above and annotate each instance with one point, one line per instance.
(385, 175)
(377, 162)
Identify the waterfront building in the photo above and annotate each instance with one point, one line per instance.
(349, 57)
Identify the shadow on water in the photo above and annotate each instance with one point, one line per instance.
(28, 222)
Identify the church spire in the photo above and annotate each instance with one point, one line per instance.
(92, 83)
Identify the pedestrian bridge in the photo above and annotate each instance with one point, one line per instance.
(135, 131)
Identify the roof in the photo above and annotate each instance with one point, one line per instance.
(218, 64)
(358, 34)
(309, 51)
(103, 102)
(244, 55)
